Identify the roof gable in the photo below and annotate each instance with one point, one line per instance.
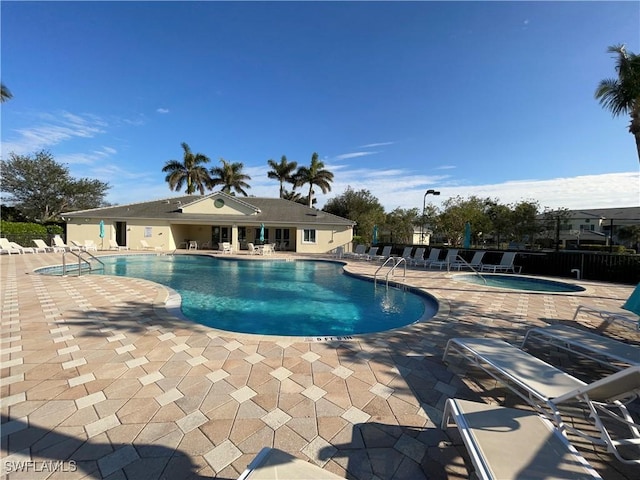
(219, 204)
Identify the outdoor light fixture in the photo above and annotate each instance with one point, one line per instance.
(424, 207)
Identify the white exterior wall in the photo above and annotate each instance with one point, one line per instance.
(327, 239)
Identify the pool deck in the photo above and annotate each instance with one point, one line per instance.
(96, 370)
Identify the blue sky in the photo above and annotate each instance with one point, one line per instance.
(470, 98)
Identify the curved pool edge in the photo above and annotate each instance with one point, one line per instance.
(168, 302)
(584, 288)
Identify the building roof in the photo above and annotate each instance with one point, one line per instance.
(263, 210)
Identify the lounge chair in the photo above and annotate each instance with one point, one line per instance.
(406, 253)
(21, 248)
(252, 249)
(13, 247)
(505, 265)
(90, 245)
(113, 245)
(271, 464)
(358, 252)
(386, 253)
(507, 443)
(434, 255)
(6, 247)
(547, 389)
(371, 253)
(632, 305)
(145, 246)
(77, 245)
(57, 241)
(596, 347)
(475, 263)
(452, 255)
(41, 245)
(225, 247)
(417, 257)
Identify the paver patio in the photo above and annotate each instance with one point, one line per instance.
(96, 370)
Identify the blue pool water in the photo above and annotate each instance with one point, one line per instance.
(515, 282)
(275, 297)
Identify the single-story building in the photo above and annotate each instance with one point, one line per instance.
(209, 220)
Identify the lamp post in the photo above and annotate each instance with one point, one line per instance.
(424, 207)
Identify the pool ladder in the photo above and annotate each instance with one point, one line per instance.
(462, 260)
(396, 261)
(81, 259)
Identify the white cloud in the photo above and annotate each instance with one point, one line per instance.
(52, 130)
(346, 156)
(162, 110)
(372, 145)
(446, 167)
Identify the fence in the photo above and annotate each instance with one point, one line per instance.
(599, 266)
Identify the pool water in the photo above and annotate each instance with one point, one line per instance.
(276, 297)
(515, 282)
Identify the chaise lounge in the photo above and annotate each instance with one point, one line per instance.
(547, 388)
(507, 443)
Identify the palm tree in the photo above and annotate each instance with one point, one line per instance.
(622, 95)
(315, 174)
(5, 93)
(230, 176)
(283, 172)
(190, 170)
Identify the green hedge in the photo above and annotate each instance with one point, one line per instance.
(25, 232)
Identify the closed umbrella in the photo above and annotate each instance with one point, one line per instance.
(467, 235)
(102, 233)
(262, 233)
(374, 237)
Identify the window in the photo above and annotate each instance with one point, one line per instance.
(309, 236)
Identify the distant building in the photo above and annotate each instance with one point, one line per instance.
(596, 226)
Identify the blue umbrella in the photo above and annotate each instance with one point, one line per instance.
(467, 235)
(262, 232)
(102, 232)
(374, 238)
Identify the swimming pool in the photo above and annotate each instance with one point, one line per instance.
(515, 282)
(275, 297)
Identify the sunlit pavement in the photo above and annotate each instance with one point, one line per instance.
(100, 380)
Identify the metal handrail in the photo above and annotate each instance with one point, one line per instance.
(80, 260)
(462, 260)
(392, 269)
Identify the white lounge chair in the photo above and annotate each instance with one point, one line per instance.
(57, 241)
(145, 246)
(6, 247)
(505, 265)
(272, 464)
(371, 253)
(452, 255)
(434, 255)
(75, 245)
(41, 245)
(417, 257)
(89, 245)
(509, 444)
(406, 253)
(23, 249)
(252, 249)
(386, 253)
(225, 247)
(475, 263)
(547, 389)
(358, 252)
(631, 305)
(596, 347)
(113, 245)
